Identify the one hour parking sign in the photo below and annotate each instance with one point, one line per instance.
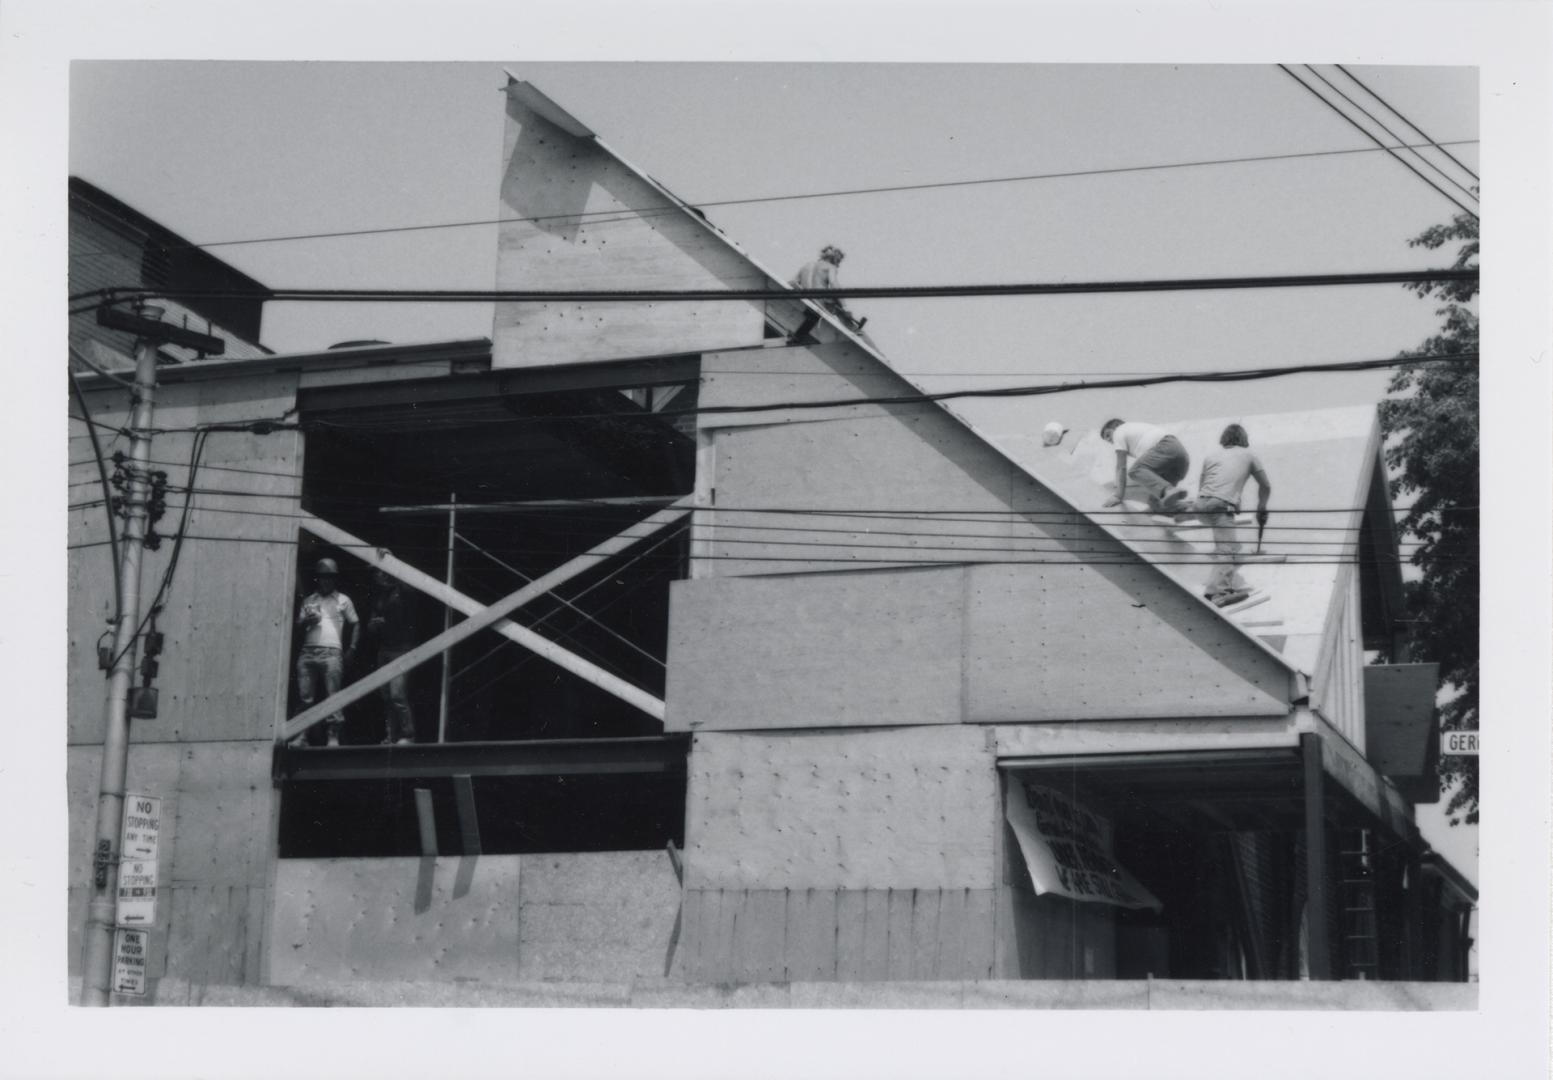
(129, 961)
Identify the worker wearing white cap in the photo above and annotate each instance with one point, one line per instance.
(1052, 433)
(328, 623)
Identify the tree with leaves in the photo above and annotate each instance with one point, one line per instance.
(1431, 423)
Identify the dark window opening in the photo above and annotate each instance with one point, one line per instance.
(516, 815)
(527, 481)
(388, 476)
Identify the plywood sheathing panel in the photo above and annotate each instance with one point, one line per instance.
(602, 916)
(213, 853)
(897, 809)
(221, 814)
(813, 935)
(229, 604)
(359, 919)
(1095, 642)
(878, 648)
(1144, 736)
(1337, 691)
(596, 916)
(579, 218)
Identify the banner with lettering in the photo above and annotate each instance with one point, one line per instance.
(1064, 847)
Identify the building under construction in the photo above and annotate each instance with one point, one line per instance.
(715, 683)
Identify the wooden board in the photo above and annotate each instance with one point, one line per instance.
(831, 935)
(897, 809)
(596, 916)
(572, 221)
(357, 919)
(1106, 642)
(1144, 736)
(823, 650)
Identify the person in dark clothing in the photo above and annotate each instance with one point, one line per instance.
(391, 624)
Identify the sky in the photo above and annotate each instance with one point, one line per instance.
(236, 150)
(232, 151)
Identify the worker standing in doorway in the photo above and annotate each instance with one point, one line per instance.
(1160, 463)
(1224, 476)
(822, 273)
(328, 622)
(390, 624)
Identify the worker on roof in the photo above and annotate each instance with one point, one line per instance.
(1224, 475)
(391, 624)
(328, 623)
(822, 273)
(1159, 463)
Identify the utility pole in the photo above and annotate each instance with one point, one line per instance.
(97, 941)
(97, 944)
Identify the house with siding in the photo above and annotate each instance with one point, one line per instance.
(720, 683)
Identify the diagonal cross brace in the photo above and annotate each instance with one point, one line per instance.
(482, 616)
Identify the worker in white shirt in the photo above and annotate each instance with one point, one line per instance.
(1159, 461)
(328, 623)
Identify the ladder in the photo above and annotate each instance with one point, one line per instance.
(1361, 929)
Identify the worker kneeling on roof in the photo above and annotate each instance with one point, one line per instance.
(822, 273)
(1159, 463)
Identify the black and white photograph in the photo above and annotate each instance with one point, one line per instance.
(664, 543)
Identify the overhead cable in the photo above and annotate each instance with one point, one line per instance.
(1437, 145)
(266, 426)
(1080, 560)
(121, 294)
(107, 493)
(1468, 192)
(1366, 133)
(884, 189)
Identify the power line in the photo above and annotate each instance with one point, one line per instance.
(1365, 132)
(266, 425)
(107, 494)
(121, 294)
(883, 189)
(1276, 533)
(1438, 146)
(1371, 117)
(1080, 560)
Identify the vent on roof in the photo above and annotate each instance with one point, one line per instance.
(357, 344)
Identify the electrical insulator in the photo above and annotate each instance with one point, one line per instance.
(153, 643)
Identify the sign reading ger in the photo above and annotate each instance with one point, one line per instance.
(1461, 743)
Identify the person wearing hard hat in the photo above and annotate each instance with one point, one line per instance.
(822, 273)
(328, 623)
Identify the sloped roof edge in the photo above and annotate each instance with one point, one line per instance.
(696, 216)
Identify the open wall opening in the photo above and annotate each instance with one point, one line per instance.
(485, 484)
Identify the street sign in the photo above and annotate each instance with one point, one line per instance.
(129, 961)
(1461, 743)
(142, 827)
(137, 893)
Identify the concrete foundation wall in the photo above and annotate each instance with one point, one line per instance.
(1156, 994)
